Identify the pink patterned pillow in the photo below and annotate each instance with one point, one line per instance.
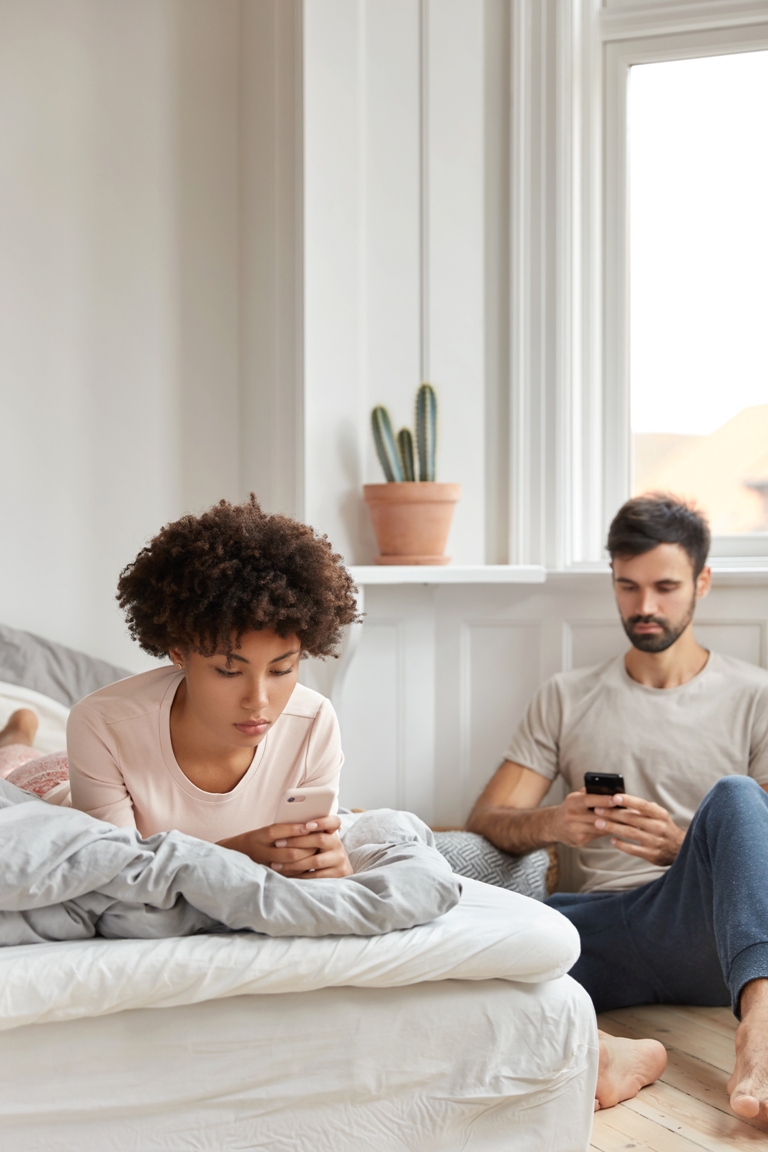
(42, 775)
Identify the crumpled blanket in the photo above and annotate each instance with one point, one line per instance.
(67, 876)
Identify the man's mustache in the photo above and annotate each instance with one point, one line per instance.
(662, 623)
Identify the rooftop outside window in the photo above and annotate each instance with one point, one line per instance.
(698, 232)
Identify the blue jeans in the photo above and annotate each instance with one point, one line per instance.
(696, 935)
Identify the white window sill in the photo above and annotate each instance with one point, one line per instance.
(449, 574)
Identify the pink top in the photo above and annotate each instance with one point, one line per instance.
(123, 769)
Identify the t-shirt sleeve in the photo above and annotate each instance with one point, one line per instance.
(97, 783)
(324, 755)
(758, 744)
(536, 743)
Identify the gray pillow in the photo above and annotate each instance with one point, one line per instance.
(474, 856)
(50, 668)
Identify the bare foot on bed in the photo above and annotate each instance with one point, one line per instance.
(20, 729)
(748, 1087)
(625, 1067)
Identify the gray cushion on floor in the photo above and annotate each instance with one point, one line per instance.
(474, 856)
(50, 668)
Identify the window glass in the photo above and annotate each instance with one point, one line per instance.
(698, 228)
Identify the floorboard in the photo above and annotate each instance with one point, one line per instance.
(687, 1110)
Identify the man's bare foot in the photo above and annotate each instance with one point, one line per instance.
(625, 1067)
(20, 729)
(748, 1087)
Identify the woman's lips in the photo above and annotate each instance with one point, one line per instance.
(253, 727)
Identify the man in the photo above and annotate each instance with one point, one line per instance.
(674, 907)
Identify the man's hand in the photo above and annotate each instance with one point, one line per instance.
(304, 851)
(573, 821)
(639, 827)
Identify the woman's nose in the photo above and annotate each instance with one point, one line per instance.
(256, 697)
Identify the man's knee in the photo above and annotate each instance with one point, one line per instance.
(733, 794)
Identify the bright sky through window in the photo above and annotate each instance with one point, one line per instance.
(698, 219)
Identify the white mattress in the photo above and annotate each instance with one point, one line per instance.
(491, 934)
(461, 1034)
(437, 1067)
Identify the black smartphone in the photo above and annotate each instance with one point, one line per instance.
(604, 783)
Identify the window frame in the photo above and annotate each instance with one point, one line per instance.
(620, 54)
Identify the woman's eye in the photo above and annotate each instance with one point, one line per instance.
(284, 672)
(229, 675)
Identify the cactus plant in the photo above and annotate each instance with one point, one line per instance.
(386, 449)
(405, 444)
(426, 430)
(396, 457)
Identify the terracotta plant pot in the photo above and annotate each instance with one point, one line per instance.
(411, 520)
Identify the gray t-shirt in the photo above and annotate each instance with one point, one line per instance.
(670, 744)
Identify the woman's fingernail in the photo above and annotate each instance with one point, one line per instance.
(599, 823)
(311, 827)
(277, 867)
(280, 843)
(599, 811)
(618, 799)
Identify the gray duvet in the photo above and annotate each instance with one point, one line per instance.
(66, 876)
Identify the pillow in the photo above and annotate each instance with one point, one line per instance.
(474, 856)
(52, 669)
(46, 777)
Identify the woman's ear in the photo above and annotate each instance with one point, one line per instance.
(177, 657)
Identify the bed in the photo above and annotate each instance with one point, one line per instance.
(459, 1034)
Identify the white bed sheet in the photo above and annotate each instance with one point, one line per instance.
(490, 934)
(52, 732)
(481, 1066)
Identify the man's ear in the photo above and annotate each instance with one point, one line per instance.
(703, 582)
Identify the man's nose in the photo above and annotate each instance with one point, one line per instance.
(649, 605)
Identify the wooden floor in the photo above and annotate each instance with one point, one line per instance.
(687, 1110)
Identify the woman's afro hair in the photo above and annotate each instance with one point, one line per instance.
(205, 580)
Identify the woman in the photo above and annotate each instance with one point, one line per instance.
(209, 744)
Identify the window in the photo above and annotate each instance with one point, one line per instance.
(697, 155)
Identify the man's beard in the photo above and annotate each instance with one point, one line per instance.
(661, 640)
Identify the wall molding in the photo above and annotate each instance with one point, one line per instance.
(625, 19)
(271, 254)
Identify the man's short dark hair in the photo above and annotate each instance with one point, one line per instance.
(644, 522)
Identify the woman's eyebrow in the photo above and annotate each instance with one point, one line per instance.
(277, 659)
(284, 656)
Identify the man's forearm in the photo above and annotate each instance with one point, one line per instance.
(514, 830)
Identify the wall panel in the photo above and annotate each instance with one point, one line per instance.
(373, 769)
(502, 670)
(591, 642)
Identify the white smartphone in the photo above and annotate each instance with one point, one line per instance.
(299, 805)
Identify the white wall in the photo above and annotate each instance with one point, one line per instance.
(118, 294)
(394, 261)
(227, 229)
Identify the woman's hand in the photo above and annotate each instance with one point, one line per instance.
(303, 851)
